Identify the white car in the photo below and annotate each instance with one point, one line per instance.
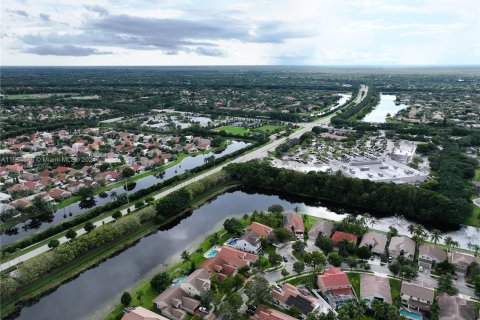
(420, 268)
(278, 288)
(203, 309)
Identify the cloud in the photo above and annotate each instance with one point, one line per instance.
(21, 13)
(168, 35)
(65, 50)
(97, 9)
(44, 17)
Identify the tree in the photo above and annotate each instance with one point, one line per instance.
(334, 259)
(434, 309)
(445, 285)
(436, 235)
(233, 226)
(127, 173)
(392, 232)
(364, 253)
(89, 226)
(276, 208)
(258, 290)
(284, 272)
(354, 310)
(299, 246)
(126, 298)
(476, 284)
(214, 239)
(117, 215)
(316, 315)
(298, 266)
(71, 234)
(474, 247)
(85, 192)
(235, 300)
(186, 256)
(324, 243)
(352, 262)
(275, 258)
(161, 281)
(318, 259)
(281, 234)
(409, 271)
(140, 294)
(53, 243)
(206, 298)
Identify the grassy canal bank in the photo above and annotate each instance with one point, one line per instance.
(56, 277)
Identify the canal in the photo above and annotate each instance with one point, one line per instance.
(93, 293)
(38, 224)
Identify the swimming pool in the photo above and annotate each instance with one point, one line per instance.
(176, 282)
(212, 252)
(231, 242)
(411, 315)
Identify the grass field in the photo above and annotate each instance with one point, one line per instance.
(474, 219)
(269, 128)
(240, 131)
(395, 285)
(354, 278)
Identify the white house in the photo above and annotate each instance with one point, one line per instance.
(249, 242)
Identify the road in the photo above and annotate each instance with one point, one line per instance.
(255, 154)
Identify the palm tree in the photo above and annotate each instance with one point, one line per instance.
(448, 242)
(140, 294)
(411, 228)
(114, 195)
(474, 247)
(214, 239)
(436, 235)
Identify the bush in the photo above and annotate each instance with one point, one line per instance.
(53, 243)
(126, 298)
(161, 281)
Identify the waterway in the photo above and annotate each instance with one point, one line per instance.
(92, 294)
(37, 224)
(386, 106)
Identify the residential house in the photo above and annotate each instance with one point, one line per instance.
(429, 255)
(402, 246)
(21, 203)
(416, 296)
(335, 287)
(175, 304)
(260, 229)
(228, 261)
(375, 288)
(375, 241)
(462, 261)
(264, 313)
(339, 236)
(202, 144)
(248, 242)
(453, 307)
(293, 222)
(190, 148)
(140, 313)
(322, 227)
(300, 298)
(14, 168)
(59, 194)
(196, 283)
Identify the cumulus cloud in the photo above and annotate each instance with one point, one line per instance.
(44, 17)
(65, 50)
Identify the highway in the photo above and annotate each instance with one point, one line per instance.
(254, 154)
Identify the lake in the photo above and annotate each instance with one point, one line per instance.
(386, 106)
(93, 293)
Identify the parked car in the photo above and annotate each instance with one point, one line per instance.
(455, 276)
(203, 309)
(390, 259)
(285, 259)
(420, 268)
(278, 288)
(372, 258)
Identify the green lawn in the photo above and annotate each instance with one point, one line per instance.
(269, 128)
(395, 285)
(354, 278)
(474, 219)
(240, 131)
(477, 174)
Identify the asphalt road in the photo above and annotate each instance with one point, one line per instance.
(255, 154)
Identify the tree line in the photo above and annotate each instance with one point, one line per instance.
(383, 198)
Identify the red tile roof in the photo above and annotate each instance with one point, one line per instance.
(339, 235)
(334, 277)
(264, 313)
(228, 260)
(260, 229)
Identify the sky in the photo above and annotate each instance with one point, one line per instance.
(256, 32)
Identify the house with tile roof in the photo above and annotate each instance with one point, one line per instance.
(293, 222)
(175, 304)
(335, 287)
(454, 307)
(462, 261)
(374, 287)
(429, 255)
(375, 241)
(300, 298)
(264, 313)
(339, 236)
(196, 283)
(260, 229)
(416, 296)
(249, 242)
(140, 313)
(322, 227)
(227, 262)
(402, 246)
